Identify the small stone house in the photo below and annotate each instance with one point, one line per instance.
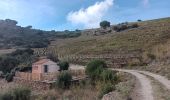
(45, 66)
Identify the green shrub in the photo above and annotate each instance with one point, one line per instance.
(95, 68)
(22, 94)
(108, 87)
(104, 24)
(17, 94)
(64, 80)
(9, 77)
(64, 65)
(6, 96)
(107, 76)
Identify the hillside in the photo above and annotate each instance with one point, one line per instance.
(148, 43)
(148, 35)
(14, 36)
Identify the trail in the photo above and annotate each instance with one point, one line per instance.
(159, 78)
(145, 91)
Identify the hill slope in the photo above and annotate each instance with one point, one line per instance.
(14, 36)
(147, 36)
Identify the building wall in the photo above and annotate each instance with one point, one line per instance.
(36, 69)
(52, 67)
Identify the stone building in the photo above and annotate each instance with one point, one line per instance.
(45, 66)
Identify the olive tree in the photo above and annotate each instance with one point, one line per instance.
(104, 24)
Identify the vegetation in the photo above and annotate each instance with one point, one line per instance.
(9, 77)
(124, 26)
(13, 36)
(19, 58)
(64, 65)
(104, 24)
(17, 94)
(99, 75)
(109, 76)
(95, 68)
(108, 87)
(64, 80)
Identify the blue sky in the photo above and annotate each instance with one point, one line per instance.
(80, 14)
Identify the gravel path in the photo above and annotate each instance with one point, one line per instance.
(145, 91)
(159, 78)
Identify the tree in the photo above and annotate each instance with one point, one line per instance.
(64, 80)
(8, 63)
(64, 65)
(95, 68)
(104, 24)
(139, 20)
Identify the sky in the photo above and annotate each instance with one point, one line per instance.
(80, 14)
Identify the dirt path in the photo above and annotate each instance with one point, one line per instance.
(145, 91)
(159, 78)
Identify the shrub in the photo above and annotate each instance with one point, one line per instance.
(120, 27)
(108, 87)
(95, 68)
(64, 80)
(6, 96)
(21, 94)
(139, 20)
(7, 63)
(109, 76)
(17, 94)
(135, 25)
(64, 65)
(9, 77)
(105, 24)
(151, 56)
(52, 57)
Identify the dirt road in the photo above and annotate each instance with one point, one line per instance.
(159, 78)
(145, 91)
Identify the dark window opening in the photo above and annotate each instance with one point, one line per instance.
(45, 68)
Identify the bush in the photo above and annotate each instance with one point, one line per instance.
(105, 24)
(7, 63)
(151, 56)
(6, 96)
(21, 94)
(64, 80)
(95, 68)
(109, 76)
(139, 20)
(134, 25)
(120, 27)
(64, 65)
(17, 94)
(9, 77)
(108, 87)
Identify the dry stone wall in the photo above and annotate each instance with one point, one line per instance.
(34, 85)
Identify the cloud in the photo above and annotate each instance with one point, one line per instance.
(91, 16)
(26, 11)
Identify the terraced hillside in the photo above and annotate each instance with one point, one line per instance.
(149, 35)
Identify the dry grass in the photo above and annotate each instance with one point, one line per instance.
(149, 34)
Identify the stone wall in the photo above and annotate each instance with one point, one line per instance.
(34, 85)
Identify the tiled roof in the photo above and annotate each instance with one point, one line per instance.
(42, 61)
